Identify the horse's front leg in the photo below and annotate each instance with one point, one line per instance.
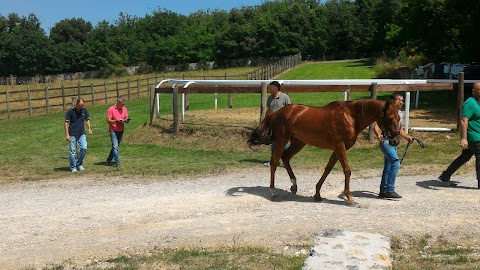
(331, 162)
(342, 157)
(274, 162)
(273, 168)
(295, 147)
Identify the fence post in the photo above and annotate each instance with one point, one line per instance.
(461, 96)
(29, 93)
(93, 94)
(78, 90)
(63, 97)
(373, 95)
(152, 106)
(8, 104)
(128, 89)
(116, 87)
(148, 86)
(46, 100)
(176, 126)
(138, 88)
(263, 100)
(106, 94)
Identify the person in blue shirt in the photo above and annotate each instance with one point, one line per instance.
(390, 156)
(469, 137)
(75, 119)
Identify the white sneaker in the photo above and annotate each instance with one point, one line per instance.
(266, 164)
(81, 168)
(74, 170)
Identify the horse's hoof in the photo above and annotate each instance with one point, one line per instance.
(317, 197)
(353, 204)
(274, 198)
(293, 189)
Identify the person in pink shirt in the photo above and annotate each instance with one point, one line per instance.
(117, 116)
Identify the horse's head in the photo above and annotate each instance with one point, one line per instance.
(389, 123)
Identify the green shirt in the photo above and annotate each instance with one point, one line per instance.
(276, 103)
(471, 110)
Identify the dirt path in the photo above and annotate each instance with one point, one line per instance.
(89, 217)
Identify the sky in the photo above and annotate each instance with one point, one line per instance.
(50, 12)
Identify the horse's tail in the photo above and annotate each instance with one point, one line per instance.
(262, 133)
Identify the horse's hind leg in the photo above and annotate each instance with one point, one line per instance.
(331, 162)
(293, 149)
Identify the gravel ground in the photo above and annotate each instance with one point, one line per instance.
(87, 218)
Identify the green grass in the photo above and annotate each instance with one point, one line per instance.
(347, 69)
(433, 253)
(226, 258)
(35, 148)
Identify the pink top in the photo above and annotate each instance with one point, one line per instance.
(117, 114)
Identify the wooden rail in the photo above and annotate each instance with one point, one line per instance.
(261, 89)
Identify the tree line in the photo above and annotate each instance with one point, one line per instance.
(436, 30)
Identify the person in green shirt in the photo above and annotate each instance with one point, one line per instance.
(470, 137)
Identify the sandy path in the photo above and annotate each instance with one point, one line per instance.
(89, 217)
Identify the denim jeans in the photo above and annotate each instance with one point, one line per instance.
(390, 168)
(473, 149)
(82, 141)
(116, 138)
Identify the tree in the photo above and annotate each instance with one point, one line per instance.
(71, 30)
(26, 48)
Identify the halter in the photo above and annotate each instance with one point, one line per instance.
(387, 134)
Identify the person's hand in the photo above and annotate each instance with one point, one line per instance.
(464, 143)
(126, 120)
(119, 120)
(380, 138)
(90, 132)
(410, 140)
(67, 138)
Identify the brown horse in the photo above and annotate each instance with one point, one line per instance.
(335, 126)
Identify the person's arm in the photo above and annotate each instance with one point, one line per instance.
(463, 132)
(377, 132)
(126, 120)
(110, 119)
(67, 134)
(405, 135)
(90, 132)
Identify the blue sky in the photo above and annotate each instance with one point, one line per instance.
(51, 11)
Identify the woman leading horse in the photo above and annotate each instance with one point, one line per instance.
(335, 126)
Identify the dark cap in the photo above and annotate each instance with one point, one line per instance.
(276, 84)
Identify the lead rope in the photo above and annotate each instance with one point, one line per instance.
(408, 145)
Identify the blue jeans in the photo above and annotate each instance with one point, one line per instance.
(390, 168)
(272, 147)
(82, 141)
(116, 138)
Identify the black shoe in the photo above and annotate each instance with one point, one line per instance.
(446, 181)
(109, 162)
(443, 178)
(392, 195)
(382, 194)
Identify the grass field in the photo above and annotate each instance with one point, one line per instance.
(35, 148)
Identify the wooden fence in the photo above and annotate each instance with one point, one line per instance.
(33, 101)
(262, 90)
